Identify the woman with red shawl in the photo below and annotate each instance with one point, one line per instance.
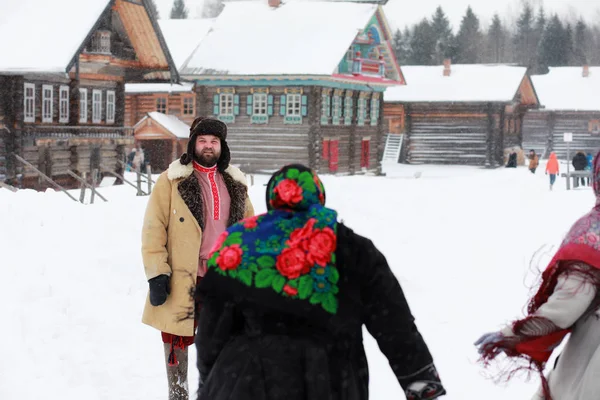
(566, 302)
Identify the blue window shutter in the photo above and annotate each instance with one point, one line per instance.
(282, 104)
(249, 100)
(304, 106)
(270, 104)
(236, 104)
(350, 107)
(216, 104)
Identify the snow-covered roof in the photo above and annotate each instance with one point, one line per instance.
(565, 88)
(183, 36)
(42, 35)
(183, 87)
(170, 122)
(296, 38)
(466, 83)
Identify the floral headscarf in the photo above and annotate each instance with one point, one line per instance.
(287, 253)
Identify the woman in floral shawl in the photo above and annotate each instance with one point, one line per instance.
(284, 301)
(566, 302)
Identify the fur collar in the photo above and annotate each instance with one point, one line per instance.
(179, 171)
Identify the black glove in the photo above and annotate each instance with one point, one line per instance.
(159, 289)
(424, 385)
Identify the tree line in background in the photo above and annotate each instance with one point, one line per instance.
(536, 40)
(212, 8)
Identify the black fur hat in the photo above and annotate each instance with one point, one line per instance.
(208, 126)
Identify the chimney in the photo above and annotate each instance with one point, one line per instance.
(447, 63)
(586, 71)
(274, 3)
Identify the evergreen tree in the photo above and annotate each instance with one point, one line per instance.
(405, 47)
(581, 43)
(444, 38)
(568, 45)
(553, 47)
(153, 9)
(496, 41)
(469, 39)
(422, 44)
(212, 8)
(397, 43)
(524, 39)
(179, 11)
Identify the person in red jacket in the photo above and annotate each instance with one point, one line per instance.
(552, 168)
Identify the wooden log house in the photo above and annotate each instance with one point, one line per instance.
(570, 103)
(459, 114)
(62, 80)
(300, 85)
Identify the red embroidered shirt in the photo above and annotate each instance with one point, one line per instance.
(215, 207)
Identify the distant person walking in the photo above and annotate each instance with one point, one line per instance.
(552, 168)
(534, 161)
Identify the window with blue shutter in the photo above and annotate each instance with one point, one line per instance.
(249, 99)
(348, 110)
(216, 105)
(259, 109)
(270, 105)
(226, 107)
(295, 108)
(336, 110)
(325, 107)
(374, 111)
(282, 104)
(304, 105)
(236, 104)
(361, 111)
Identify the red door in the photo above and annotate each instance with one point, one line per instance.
(365, 152)
(333, 155)
(325, 154)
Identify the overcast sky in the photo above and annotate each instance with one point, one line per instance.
(402, 12)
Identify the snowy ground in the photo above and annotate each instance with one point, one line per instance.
(459, 239)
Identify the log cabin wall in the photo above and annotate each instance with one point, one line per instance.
(447, 134)
(544, 131)
(537, 126)
(585, 127)
(183, 105)
(262, 147)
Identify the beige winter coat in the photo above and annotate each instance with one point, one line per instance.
(171, 238)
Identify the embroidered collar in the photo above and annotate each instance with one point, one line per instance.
(200, 168)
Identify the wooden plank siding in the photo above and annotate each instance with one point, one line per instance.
(447, 134)
(544, 132)
(536, 132)
(137, 105)
(451, 133)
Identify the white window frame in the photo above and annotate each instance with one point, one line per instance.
(83, 105)
(259, 104)
(164, 101)
(294, 105)
(96, 106)
(47, 103)
(191, 110)
(226, 104)
(29, 103)
(63, 104)
(110, 106)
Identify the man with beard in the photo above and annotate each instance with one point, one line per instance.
(192, 203)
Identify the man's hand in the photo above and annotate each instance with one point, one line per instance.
(159, 289)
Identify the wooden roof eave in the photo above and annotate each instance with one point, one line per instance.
(163, 45)
(75, 58)
(537, 99)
